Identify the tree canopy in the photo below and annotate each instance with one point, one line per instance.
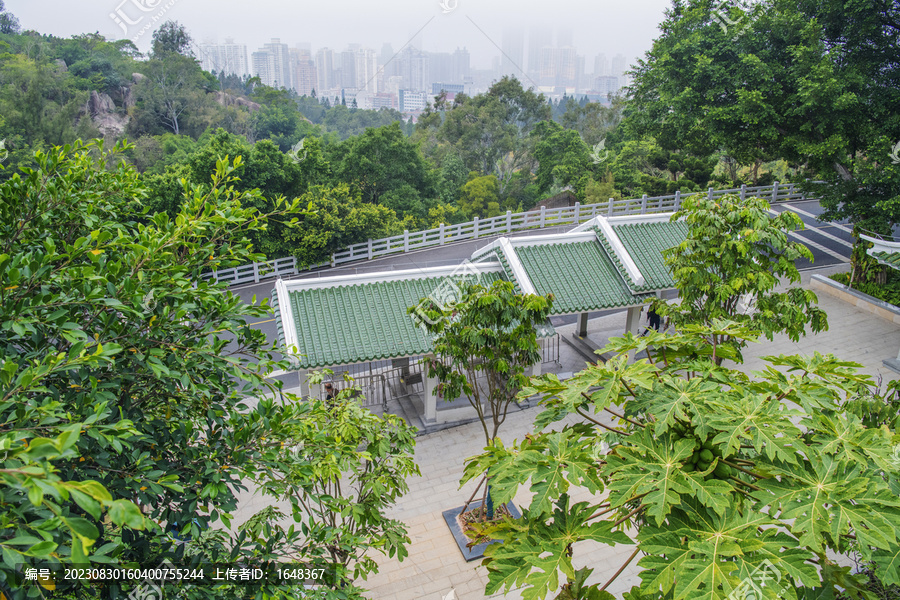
(729, 266)
(713, 475)
(816, 84)
(133, 394)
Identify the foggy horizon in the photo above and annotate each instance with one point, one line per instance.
(598, 27)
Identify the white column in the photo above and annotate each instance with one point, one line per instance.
(304, 384)
(633, 324)
(430, 396)
(315, 390)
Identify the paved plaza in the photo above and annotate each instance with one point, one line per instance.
(435, 565)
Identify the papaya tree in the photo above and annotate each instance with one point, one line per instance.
(720, 480)
(731, 264)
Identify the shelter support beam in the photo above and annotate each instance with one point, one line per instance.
(430, 397)
(581, 329)
(303, 374)
(893, 363)
(632, 324)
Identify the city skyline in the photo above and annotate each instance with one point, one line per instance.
(409, 79)
(593, 28)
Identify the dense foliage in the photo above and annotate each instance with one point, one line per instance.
(712, 474)
(816, 84)
(731, 265)
(888, 292)
(129, 387)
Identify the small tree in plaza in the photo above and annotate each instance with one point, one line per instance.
(730, 265)
(484, 343)
(340, 467)
(719, 479)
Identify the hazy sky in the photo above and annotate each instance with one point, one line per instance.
(596, 26)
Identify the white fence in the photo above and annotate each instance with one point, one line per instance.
(448, 234)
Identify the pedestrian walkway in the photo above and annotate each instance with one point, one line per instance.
(435, 565)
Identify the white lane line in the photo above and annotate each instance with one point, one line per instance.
(833, 238)
(808, 242)
(843, 228)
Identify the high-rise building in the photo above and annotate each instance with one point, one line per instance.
(348, 70)
(359, 69)
(440, 66)
(606, 84)
(325, 75)
(581, 80)
(567, 68)
(393, 84)
(619, 65)
(462, 68)
(548, 66)
(228, 58)
(263, 66)
(272, 64)
(305, 79)
(601, 66)
(413, 68)
(513, 59)
(387, 53)
(538, 39)
(367, 70)
(560, 67)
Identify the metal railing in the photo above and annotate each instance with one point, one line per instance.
(508, 223)
(550, 349)
(369, 390)
(255, 272)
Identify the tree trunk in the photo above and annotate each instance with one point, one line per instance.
(489, 502)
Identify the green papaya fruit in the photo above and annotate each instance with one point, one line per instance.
(723, 471)
(706, 455)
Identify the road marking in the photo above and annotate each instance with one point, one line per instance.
(808, 242)
(843, 228)
(833, 238)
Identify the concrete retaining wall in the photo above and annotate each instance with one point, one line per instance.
(889, 312)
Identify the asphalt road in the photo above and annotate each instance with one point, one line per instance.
(830, 243)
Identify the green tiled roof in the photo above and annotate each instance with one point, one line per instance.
(364, 322)
(645, 243)
(279, 326)
(508, 274)
(579, 275)
(891, 259)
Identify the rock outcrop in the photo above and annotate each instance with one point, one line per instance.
(104, 115)
(229, 100)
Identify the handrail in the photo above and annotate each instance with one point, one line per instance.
(534, 219)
